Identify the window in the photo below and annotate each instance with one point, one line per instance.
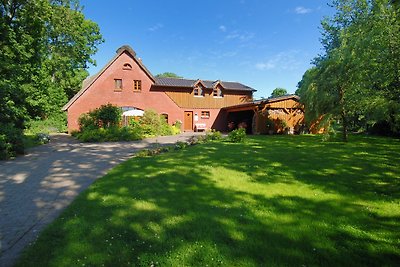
(117, 84)
(137, 85)
(205, 114)
(197, 91)
(127, 66)
(217, 92)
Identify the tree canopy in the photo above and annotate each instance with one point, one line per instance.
(357, 78)
(46, 47)
(168, 75)
(279, 92)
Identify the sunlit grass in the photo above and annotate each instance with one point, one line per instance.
(273, 201)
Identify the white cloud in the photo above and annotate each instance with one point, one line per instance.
(265, 66)
(156, 27)
(282, 61)
(222, 28)
(302, 10)
(246, 36)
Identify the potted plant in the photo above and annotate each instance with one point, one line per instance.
(270, 126)
(283, 126)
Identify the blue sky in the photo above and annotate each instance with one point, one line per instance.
(261, 43)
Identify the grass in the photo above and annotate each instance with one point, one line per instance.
(273, 201)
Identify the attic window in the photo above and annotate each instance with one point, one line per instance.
(217, 92)
(198, 91)
(127, 66)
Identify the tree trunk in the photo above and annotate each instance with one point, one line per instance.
(344, 125)
(343, 114)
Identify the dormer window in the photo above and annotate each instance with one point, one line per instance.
(127, 66)
(217, 92)
(198, 91)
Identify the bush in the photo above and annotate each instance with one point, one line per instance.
(11, 141)
(213, 135)
(42, 138)
(237, 136)
(54, 124)
(87, 122)
(103, 117)
(110, 134)
(107, 115)
(153, 124)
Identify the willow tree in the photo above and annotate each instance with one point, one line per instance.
(357, 78)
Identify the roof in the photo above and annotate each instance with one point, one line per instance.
(90, 80)
(172, 82)
(188, 83)
(263, 101)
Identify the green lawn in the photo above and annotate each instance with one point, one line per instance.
(273, 201)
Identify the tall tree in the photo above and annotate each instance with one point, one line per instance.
(359, 72)
(168, 75)
(279, 92)
(46, 48)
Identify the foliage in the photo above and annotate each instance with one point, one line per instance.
(283, 124)
(42, 138)
(178, 124)
(153, 124)
(296, 199)
(11, 141)
(277, 92)
(237, 136)
(109, 134)
(103, 117)
(107, 115)
(213, 135)
(357, 79)
(102, 124)
(54, 124)
(269, 124)
(46, 47)
(168, 75)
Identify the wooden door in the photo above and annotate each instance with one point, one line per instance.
(188, 121)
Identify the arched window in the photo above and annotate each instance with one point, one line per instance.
(127, 66)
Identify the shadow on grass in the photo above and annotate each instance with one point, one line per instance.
(170, 210)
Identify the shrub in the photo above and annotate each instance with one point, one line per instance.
(54, 124)
(107, 115)
(178, 124)
(213, 135)
(110, 134)
(42, 138)
(11, 141)
(180, 145)
(237, 136)
(103, 117)
(153, 124)
(150, 123)
(269, 124)
(87, 122)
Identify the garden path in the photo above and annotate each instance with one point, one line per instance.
(36, 187)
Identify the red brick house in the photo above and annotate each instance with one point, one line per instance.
(124, 81)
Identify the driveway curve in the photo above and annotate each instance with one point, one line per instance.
(36, 187)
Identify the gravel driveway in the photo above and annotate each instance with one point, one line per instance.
(36, 187)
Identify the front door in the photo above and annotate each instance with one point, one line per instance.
(188, 121)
